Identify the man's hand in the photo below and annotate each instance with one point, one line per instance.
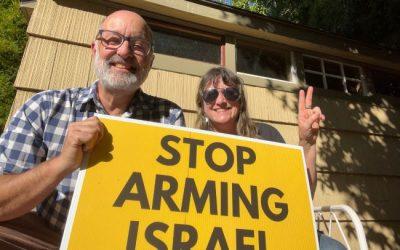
(19, 193)
(81, 137)
(309, 119)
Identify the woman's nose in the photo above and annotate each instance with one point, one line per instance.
(221, 98)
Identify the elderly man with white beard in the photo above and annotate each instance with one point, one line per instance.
(44, 144)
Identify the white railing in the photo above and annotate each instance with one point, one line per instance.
(332, 210)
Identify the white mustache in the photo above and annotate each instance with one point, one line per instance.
(116, 59)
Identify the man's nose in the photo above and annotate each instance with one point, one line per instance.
(125, 50)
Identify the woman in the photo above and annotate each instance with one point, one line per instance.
(222, 107)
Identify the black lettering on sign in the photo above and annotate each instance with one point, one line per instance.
(193, 150)
(244, 155)
(267, 210)
(209, 193)
(141, 196)
(186, 237)
(166, 187)
(217, 237)
(210, 161)
(165, 194)
(178, 242)
(224, 198)
(262, 243)
(240, 235)
(175, 156)
(239, 195)
(152, 239)
(240, 151)
(132, 235)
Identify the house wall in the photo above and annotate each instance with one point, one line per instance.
(359, 147)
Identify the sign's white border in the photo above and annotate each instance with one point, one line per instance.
(82, 171)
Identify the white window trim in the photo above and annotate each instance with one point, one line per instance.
(267, 78)
(289, 58)
(342, 76)
(293, 69)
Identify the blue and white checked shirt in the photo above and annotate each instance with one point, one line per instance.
(36, 134)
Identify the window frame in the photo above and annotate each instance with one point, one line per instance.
(229, 42)
(293, 82)
(371, 69)
(343, 77)
(180, 64)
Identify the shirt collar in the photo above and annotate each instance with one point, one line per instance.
(90, 101)
(86, 99)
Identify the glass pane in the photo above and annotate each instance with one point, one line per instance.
(352, 72)
(314, 80)
(312, 63)
(335, 83)
(386, 83)
(395, 92)
(191, 48)
(260, 62)
(332, 68)
(354, 87)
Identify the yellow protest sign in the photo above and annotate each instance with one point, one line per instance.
(153, 186)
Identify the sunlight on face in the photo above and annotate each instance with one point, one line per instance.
(112, 79)
(222, 113)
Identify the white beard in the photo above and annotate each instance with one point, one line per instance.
(112, 81)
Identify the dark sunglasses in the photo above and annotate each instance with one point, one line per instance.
(230, 94)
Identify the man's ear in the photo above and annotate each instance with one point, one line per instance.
(151, 60)
(93, 47)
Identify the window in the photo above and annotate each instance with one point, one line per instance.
(187, 50)
(187, 45)
(385, 83)
(329, 74)
(263, 62)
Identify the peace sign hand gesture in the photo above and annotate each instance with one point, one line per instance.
(309, 119)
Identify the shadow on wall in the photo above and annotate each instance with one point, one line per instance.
(358, 156)
(358, 160)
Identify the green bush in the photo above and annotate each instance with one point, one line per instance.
(12, 42)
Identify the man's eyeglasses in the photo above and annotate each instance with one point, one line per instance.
(230, 94)
(114, 40)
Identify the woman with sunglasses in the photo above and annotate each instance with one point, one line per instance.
(222, 107)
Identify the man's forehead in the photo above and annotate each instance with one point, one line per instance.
(125, 24)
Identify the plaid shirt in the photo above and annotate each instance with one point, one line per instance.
(36, 134)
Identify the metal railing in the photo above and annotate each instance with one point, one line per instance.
(332, 210)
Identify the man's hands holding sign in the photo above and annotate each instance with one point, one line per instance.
(81, 137)
(15, 201)
(309, 119)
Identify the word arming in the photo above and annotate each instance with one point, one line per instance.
(165, 187)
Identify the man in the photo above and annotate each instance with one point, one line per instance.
(44, 144)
